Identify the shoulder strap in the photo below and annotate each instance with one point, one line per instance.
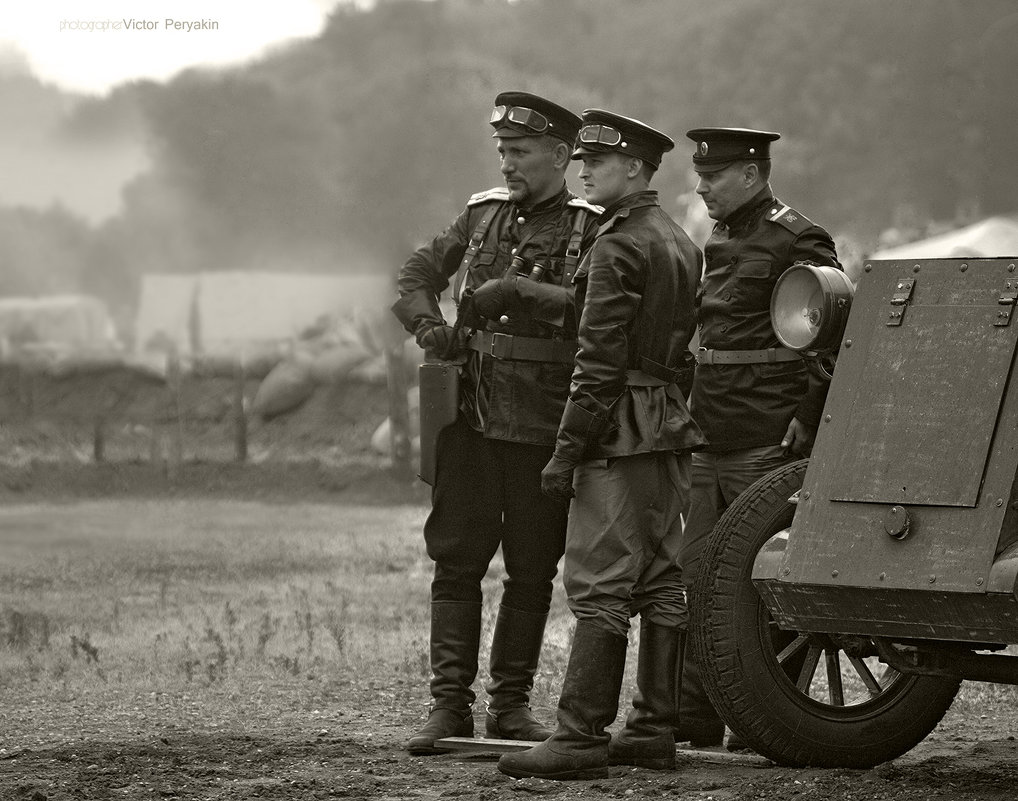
(476, 238)
(789, 218)
(574, 248)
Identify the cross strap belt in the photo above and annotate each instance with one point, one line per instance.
(714, 356)
(523, 349)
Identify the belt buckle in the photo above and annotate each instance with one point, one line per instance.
(501, 345)
(702, 356)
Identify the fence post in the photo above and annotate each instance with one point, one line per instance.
(99, 441)
(399, 410)
(239, 413)
(176, 445)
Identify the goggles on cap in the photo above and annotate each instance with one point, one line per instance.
(526, 118)
(600, 135)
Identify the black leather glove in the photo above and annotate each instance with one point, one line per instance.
(557, 479)
(437, 340)
(492, 298)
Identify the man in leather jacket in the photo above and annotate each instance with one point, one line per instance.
(513, 251)
(623, 448)
(755, 401)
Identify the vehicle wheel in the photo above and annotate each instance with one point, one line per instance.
(801, 699)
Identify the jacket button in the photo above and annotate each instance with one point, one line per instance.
(520, 220)
(724, 327)
(727, 296)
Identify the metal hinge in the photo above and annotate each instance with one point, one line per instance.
(902, 295)
(1007, 298)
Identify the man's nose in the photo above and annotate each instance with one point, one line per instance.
(701, 187)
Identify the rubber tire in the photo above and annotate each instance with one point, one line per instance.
(751, 691)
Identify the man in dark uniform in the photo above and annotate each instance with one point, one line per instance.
(513, 251)
(623, 448)
(754, 400)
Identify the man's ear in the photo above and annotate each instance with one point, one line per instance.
(634, 167)
(561, 153)
(750, 174)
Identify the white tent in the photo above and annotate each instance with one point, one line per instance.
(994, 236)
(236, 312)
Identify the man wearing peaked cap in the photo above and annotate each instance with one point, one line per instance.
(623, 450)
(606, 132)
(754, 400)
(508, 260)
(523, 114)
(716, 148)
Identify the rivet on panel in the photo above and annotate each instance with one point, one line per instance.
(834, 574)
(916, 268)
(933, 579)
(979, 582)
(848, 343)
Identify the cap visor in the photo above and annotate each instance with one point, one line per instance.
(505, 132)
(715, 167)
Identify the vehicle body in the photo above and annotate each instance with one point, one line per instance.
(842, 600)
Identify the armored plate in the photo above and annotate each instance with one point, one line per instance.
(933, 373)
(914, 464)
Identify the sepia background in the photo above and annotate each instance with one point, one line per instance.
(338, 152)
(213, 582)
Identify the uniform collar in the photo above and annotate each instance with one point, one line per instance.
(748, 210)
(620, 208)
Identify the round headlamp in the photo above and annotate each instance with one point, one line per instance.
(809, 307)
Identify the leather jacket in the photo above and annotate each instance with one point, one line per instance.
(503, 397)
(636, 287)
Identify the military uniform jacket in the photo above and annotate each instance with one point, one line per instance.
(751, 405)
(503, 398)
(635, 290)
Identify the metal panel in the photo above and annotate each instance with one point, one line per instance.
(943, 369)
(840, 543)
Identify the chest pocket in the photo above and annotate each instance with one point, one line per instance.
(484, 266)
(751, 286)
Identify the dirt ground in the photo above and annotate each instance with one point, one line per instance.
(324, 737)
(323, 740)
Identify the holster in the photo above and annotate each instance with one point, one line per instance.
(439, 386)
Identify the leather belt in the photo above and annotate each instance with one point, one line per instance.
(523, 349)
(713, 356)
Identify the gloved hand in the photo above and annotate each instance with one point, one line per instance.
(437, 339)
(491, 299)
(557, 479)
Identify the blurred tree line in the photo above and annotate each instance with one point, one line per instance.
(343, 152)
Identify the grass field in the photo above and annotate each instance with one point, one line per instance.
(234, 609)
(123, 598)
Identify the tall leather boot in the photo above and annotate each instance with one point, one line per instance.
(699, 725)
(588, 703)
(515, 651)
(646, 741)
(455, 638)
